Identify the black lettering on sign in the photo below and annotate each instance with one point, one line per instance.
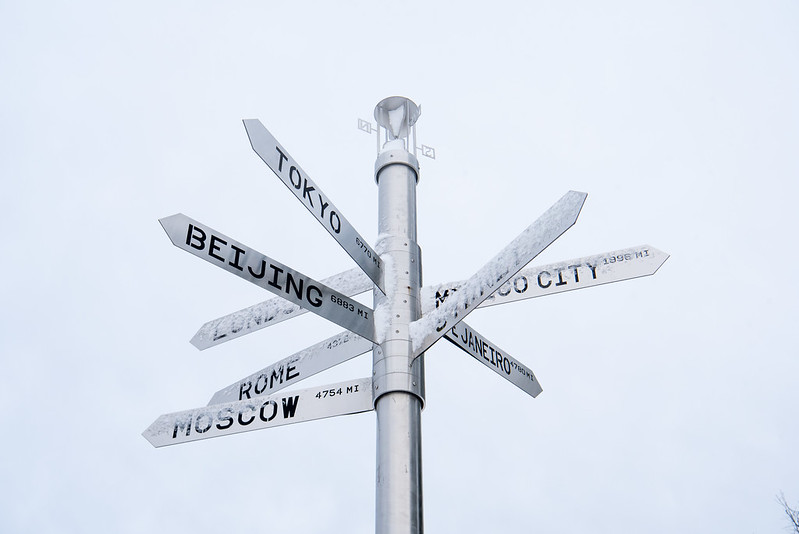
(213, 247)
(316, 300)
(251, 419)
(204, 428)
(228, 418)
(266, 418)
(275, 273)
(541, 284)
(199, 237)
(290, 406)
(576, 274)
(336, 226)
(244, 389)
(261, 273)
(441, 297)
(516, 287)
(501, 291)
(305, 190)
(293, 170)
(180, 424)
(291, 282)
(282, 159)
(300, 183)
(289, 369)
(235, 262)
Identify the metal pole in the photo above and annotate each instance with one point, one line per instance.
(398, 379)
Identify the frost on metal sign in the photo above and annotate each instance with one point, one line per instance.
(234, 257)
(344, 398)
(288, 371)
(272, 311)
(539, 281)
(478, 347)
(288, 170)
(589, 271)
(539, 235)
(260, 400)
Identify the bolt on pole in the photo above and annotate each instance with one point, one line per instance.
(398, 377)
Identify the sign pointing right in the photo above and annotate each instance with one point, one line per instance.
(478, 347)
(521, 251)
(578, 273)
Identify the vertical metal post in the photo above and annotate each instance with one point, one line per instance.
(398, 379)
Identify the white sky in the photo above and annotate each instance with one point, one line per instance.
(669, 402)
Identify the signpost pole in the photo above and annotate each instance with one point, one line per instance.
(398, 379)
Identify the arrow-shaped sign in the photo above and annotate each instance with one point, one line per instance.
(578, 273)
(234, 257)
(288, 371)
(344, 398)
(539, 281)
(272, 311)
(288, 170)
(496, 359)
(539, 235)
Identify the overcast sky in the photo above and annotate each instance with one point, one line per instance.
(669, 402)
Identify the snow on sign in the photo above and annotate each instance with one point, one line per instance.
(288, 371)
(478, 347)
(344, 398)
(307, 192)
(272, 311)
(539, 235)
(234, 257)
(539, 281)
(578, 273)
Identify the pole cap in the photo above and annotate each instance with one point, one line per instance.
(397, 114)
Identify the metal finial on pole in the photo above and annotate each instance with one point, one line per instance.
(397, 115)
(398, 378)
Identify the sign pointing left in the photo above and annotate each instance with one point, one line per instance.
(344, 398)
(283, 165)
(222, 251)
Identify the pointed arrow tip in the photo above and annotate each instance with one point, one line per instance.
(198, 342)
(169, 227)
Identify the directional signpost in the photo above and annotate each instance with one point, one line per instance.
(315, 359)
(539, 281)
(353, 396)
(272, 311)
(554, 278)
(269, 274)
(307, 192)
(467, 339)
(405, 321)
